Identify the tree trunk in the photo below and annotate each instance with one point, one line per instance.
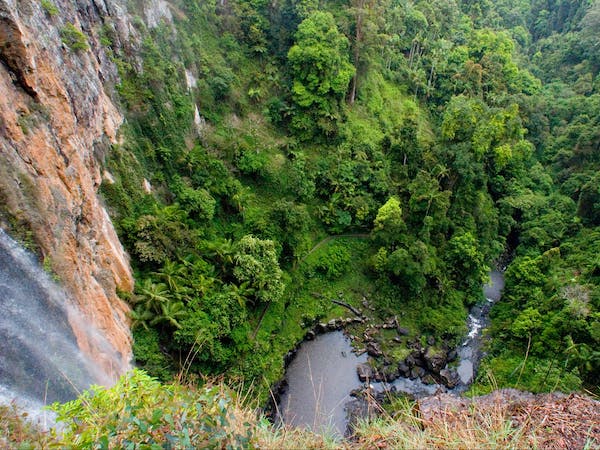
(524, 361)
(357, 40)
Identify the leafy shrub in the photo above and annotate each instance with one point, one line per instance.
(252, 162)
(49, 7)
(334, 262)
(146, 348)
(198, 202)
(74, 38)
(140, 412)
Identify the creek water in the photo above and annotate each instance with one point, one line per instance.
(320, 379)
(323, 372)
(468, 351)
(40, 361)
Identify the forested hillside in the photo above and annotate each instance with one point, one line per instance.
(439, 138)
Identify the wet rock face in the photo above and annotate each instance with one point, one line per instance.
(56, 116)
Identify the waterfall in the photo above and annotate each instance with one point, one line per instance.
(40, 360)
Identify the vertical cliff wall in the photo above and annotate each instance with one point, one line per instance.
(57, 120)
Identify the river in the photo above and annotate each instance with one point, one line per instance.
(323, 373)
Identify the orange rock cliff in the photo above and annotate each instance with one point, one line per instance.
(57, 120)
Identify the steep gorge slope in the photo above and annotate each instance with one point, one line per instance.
(57, 120)
(442, 141)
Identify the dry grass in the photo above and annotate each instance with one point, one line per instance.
(505, 419)
(17, 432)
(288, 438)
(467, 430)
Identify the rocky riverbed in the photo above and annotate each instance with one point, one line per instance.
(325, 373)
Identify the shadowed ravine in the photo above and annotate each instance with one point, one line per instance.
(323, 372)
(40, 361)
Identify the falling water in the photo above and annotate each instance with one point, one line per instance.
(40, 361)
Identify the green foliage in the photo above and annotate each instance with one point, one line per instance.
(252, 162)
(148, 354)
(49, 7)
(446, 149)
(293, 222)
(527, 322)
(555, 318)
(428, 203)
(138, 411)
(588, 206)
(73, 38)
(388, 224)
(198, 203)
(321, 73)
(158, 236)
(406, 270)
(463, 257)
(334, 262)
(256, 263)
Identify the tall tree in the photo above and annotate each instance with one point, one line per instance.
(367, 17)
(321, 73)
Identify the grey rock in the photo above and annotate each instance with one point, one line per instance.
(403, 369)
(449, 378)
(374, 349)
(452, 355)
(428, 379)
(435, 361)
(416, 372)
(390, 373)
(364, 372)
(403, 331)
(321, 328)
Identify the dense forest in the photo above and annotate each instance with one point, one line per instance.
(280, 155)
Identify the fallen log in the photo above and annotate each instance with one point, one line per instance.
(350, 307)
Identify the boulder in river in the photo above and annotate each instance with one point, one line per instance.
(449, 378)
(417, 360)
(390, 373)
(416, 372)
(332, 325)
(321, 328)
(452, 355)
(403, 368)
(364, 372)
(435, 360)
(428, 379)
(374, 349)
